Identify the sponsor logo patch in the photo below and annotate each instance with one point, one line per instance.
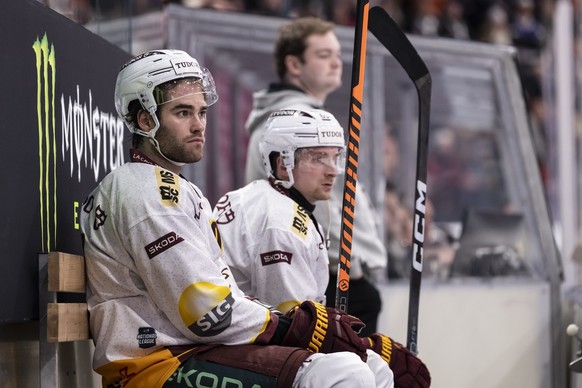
(275, 257)
(206, 308)
(162, 244)
(169, 187)
(146, 337)
(300, 222)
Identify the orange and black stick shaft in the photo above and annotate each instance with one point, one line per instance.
(351, 172)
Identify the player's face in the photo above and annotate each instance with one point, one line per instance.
(183, 123)
(321, 70)
(315, 172)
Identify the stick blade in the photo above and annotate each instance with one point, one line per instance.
(389, 34)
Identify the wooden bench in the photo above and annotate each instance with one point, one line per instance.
(65, 346)
(66, 321)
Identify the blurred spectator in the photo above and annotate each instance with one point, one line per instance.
(397, 233)
(266, 7)
(537, 117)
(496, 27)
(526, 31)
(452, 23)
(528, 35)
(391, 154)
(225, 5)
(393, 8)
(81, 11)
(475, 15)
(439, 248)
(305, 8)
(482, 186)
(426, 18)
(343, 12)
(446, 171)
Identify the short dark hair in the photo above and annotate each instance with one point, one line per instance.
(292, 39)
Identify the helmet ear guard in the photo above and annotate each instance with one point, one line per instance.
(290, 129)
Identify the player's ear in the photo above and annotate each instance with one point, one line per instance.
(144, 120)
(293, 65)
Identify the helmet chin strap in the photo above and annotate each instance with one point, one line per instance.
(152, 137)
(289, 183)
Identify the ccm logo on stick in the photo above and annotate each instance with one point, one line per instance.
(418, 241)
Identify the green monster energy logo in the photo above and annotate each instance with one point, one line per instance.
(47, 148)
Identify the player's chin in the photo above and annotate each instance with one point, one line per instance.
(336, 80)
(324, 195)
(193, 157)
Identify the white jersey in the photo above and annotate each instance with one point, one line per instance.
(367, 246)
(155, 273)
(273, 246)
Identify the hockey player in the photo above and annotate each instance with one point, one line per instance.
(164, 309)
(274, 245)
(309, 67)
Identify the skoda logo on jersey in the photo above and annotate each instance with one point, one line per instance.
(206, 308)
(275, 257)
(162, 244)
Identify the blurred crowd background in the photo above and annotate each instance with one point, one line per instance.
(463, 165)
(521, 23)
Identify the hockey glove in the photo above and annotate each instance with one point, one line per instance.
(324, 330)
(409, 371)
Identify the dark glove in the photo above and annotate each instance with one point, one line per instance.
(324, 330)
(409, 371)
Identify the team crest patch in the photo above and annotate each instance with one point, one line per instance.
(275, 257)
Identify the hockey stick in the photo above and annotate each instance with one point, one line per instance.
(391, 36)
(351, 171)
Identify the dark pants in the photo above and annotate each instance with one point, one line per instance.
(364, 302)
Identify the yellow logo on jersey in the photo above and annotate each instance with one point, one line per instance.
(300, 222)
(206, 308)
(169, 187)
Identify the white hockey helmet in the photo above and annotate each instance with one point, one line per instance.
(139, 78)
(288, 130)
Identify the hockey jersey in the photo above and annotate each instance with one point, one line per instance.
(273, 245)
(156, 277)
(367, 246)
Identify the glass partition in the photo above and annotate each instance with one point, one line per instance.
(480, 150)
